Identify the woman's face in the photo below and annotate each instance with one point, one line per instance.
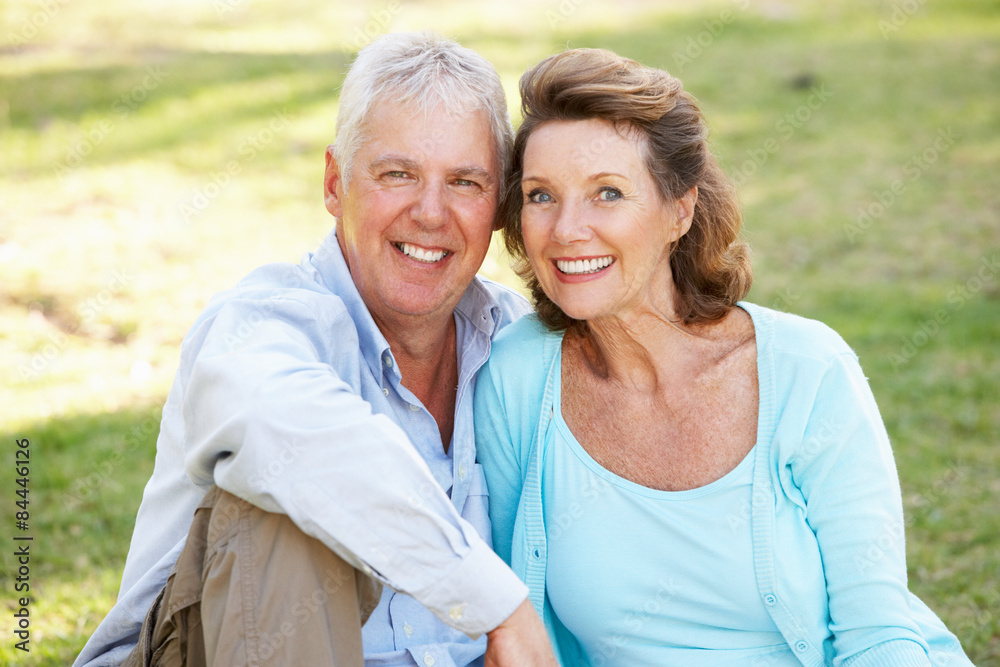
(596, 230)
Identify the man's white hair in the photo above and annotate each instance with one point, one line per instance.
(428, 71)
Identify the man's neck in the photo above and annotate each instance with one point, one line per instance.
(426, 353)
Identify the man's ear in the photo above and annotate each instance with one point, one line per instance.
(685, 211)
(333, 185)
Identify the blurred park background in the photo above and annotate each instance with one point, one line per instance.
(152, 152)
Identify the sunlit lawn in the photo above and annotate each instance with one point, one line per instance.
(152, 153)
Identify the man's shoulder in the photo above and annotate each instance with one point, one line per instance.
(502, 292)
(276, 285)
(523, 346)
(513, 306)
(282, 292)
(282, 280)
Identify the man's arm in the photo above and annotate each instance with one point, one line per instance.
(269, 419)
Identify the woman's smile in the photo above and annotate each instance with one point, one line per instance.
(584, 266)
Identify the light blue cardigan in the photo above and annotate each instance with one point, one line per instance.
(824, 479)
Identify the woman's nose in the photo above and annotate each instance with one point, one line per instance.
(571, 226)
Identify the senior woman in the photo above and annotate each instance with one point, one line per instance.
(680, 477)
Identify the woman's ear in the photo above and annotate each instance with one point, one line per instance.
(333, 185)
(685, 211)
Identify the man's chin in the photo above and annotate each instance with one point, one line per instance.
(420, 302)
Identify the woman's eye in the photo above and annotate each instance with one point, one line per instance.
(609, 194)
(539, 197)
(396, 174)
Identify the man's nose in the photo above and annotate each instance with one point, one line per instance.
(431, 207)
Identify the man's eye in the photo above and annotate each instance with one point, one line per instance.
(465, 183)
(396, 174)
(539, 197)
(609, 194)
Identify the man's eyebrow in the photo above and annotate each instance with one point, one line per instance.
(477, 172)
(389, 160)
(405, 163)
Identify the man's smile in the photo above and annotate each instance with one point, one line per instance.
(426, 255)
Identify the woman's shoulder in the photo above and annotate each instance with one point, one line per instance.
(520, 360)
(527, 338)
(787, 333)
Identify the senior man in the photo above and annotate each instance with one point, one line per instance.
(326, 409)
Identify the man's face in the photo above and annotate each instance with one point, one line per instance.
(416, 219)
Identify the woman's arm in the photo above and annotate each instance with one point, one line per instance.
(847, 475)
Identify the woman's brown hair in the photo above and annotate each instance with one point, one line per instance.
(710, 265)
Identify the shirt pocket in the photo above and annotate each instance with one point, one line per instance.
(477, 505)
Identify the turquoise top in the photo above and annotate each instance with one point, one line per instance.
(825, 513)
(622, 619)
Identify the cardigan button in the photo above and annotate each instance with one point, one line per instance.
(536, 553)
(770, 600)
(801, 646)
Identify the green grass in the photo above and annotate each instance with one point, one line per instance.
(817, 110)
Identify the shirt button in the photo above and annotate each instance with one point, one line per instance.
(387, 360)
(770, 600)
(457, 612)
(408, 629)
(801, 646)
(385, 390)
(461, 471)
(429, 660)
(414, 408)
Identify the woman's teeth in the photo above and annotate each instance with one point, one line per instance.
(578, 266)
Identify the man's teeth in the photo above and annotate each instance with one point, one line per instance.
(421, 255)
(583, 265)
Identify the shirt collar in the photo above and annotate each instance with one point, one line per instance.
(329, 261)
(480, 308)
(477, 305)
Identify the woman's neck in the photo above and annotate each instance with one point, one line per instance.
(637, 349)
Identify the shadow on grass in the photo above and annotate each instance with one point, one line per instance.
(193, 98)
(38, 98)
(156, 106)
(65, 611)
(86, 478)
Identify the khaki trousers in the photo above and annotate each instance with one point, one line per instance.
(250, 589)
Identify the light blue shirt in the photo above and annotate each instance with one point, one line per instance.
(824, 482)
(656, 605)
(289, 397)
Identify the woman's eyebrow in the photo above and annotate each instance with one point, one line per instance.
(606, 174)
